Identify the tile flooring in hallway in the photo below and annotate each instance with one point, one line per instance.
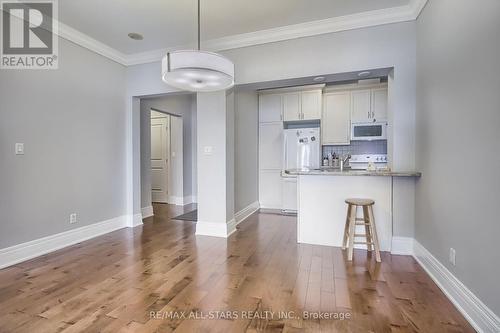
(145, 279)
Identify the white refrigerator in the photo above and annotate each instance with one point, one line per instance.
(302, 150)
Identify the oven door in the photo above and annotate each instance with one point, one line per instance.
(369, 131)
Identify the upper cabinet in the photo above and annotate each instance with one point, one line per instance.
(291, 104)
(302, 105)
(361, 105)
(336, 120)
(379, 104)
(291, 107)
(310, 104)
(369, 105)
(270, 108)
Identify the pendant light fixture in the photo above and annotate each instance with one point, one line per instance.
(196, 70)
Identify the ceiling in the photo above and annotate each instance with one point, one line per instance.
(172, 23)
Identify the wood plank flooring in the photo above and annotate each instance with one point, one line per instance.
(147, 278)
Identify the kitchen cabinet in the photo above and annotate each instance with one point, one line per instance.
(270, 108)
(289, 185)
(379, 104)
(292, 107)
(369, 105)
(311, 104)
(271, 146)
(302, 105)
(270, 189)
(336, 119)
(361, 105)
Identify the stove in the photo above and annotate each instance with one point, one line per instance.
(360, 162)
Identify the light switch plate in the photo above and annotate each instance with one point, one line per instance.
(19, 148)
(208, 150)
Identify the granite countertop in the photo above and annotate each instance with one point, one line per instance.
(349, 172)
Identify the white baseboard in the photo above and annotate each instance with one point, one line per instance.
(225, 229)
(25, 251)
(134, 220)
(215, 229)
(178, 201)
(190, 199)
(402, 245)
(246, 212)
(147, 212)
(471, 307)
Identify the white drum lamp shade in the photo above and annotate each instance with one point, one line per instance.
(198, 71)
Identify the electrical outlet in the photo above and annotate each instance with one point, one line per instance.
(72, 218)
(453, 255)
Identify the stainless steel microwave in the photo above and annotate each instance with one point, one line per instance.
(369, 131)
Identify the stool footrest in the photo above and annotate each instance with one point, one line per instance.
(367, 243)
(362, 223)
(360, 219)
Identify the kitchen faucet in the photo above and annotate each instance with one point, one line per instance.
(344, 160)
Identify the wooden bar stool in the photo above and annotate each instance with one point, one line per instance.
(367, 221)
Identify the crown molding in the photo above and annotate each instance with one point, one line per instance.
(367, 19)
(91, 44)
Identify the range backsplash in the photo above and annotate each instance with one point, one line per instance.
(358, 148)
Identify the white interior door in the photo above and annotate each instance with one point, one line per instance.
(160, 151)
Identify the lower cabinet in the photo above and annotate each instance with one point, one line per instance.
(289, 185)
(270, 189)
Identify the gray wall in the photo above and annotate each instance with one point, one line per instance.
(214, 174)
(458, 126)
(183, 105)
(246, 141)
(72, 122)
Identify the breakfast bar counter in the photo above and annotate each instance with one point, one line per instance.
(351, 172)
(321, 208)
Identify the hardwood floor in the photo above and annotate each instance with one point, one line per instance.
(142, 279)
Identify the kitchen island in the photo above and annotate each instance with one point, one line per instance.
(321, 195)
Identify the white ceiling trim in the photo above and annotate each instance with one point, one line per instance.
(372, 18)
(92, 44)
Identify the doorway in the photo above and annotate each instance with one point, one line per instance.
(160, 156)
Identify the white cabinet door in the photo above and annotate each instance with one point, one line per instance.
(291, 106)
(361, 105)
(289, 194)
(311, 104)
(379, 104)
(336, 120)
(270, 189)
(270, 108)
(271, 146)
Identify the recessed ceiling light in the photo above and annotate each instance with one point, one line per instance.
(135, 36)
(364, 74)
(319, 79)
